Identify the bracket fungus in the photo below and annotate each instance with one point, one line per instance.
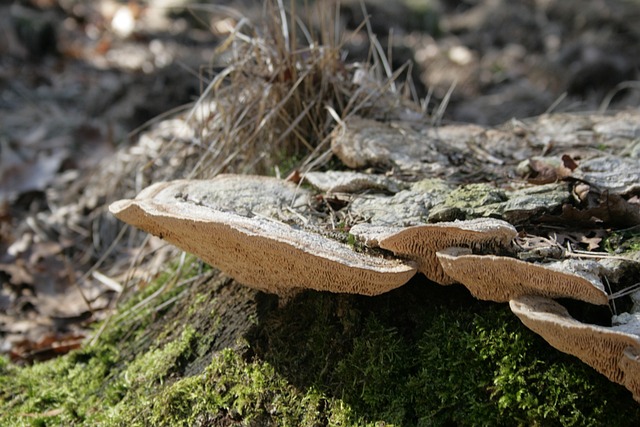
(610, 351)
(500, 279)
(260, 252)
(421, 242)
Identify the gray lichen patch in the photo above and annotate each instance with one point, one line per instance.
(588, 269)
(477, 200)
(484, 200)
(529, 202)
(361, 143)
(618, 175)
(578, 132)
(352, 182)
(407, 207)
(627, 322)
(622, 125)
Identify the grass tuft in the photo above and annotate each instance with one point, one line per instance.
(281, 83)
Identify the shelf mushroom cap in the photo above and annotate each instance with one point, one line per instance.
(602, 348)
(500, 279)
(260, 252)
(421, 242)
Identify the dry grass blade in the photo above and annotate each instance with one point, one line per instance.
(269, 105)
(279, 89)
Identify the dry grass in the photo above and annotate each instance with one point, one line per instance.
(271, 107)
(283, 87)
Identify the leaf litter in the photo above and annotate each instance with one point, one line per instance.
(54, 227)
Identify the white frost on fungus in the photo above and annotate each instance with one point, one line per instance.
(351, 182)
(245, 195)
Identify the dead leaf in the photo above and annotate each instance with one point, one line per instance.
(17, 175)
(590, 240)
(17, 272)
(613, 211)
(568, 162)
(545, 170)
(48, 347)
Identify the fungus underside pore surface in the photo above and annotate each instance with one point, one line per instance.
(216, 353)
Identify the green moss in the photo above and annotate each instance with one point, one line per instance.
(62, 391)
(141, 383)
(197, 303)
(371, 369)
(233, 389)
(477, 200)
(74, 388)
(420, 355)
(286, 163)
(355, 244)
(501, 374)
(623, 241)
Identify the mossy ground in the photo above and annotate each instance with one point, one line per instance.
(214, 353)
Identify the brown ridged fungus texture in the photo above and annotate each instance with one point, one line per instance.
(599, 347)
(264, 254)
(421, 242)
(500, 279)
(630, 365)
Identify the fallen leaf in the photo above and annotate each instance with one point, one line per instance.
(568, 162)
(545, 170)
(48, 347)
(17, 272)
(590, 240)
(17, 175)
(613, 210)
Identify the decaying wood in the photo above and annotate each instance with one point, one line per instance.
(407, 179)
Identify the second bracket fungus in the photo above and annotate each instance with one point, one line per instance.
(609, 350)
(421, 242)
(500, 279)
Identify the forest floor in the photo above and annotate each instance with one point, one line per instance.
(80, 79)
